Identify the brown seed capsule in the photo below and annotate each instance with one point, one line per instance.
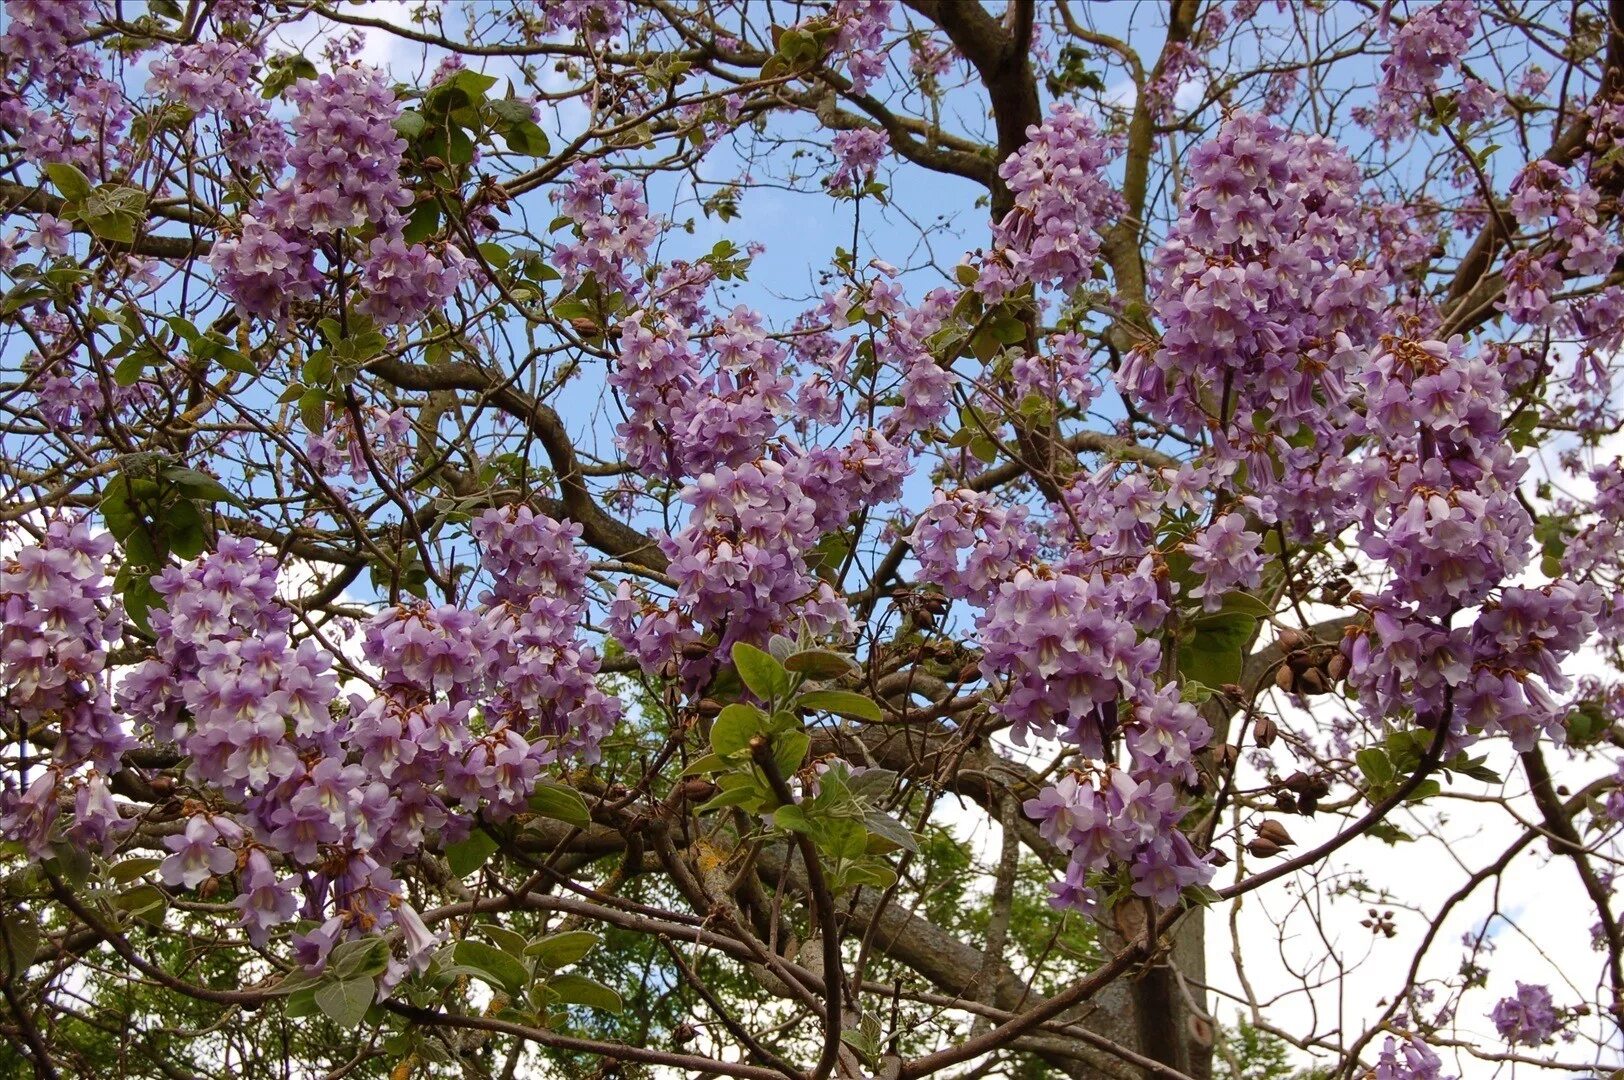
(696, 650)
(1218, 858)
(1289, 640)
(1285, 802)
(709, 707)
(1312, 681)
(1297, 781)
(1274, 831)
(1264, 849)
(1265, 731)
(1337, 667)
(1285, 678)
(1228, 755)
(697, 789)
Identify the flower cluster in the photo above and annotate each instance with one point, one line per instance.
(1411, 1059)
(1071, 646)
(857, 155)
(1527, 1018)
(1265, 300)
(345, 160)
(1429, 45)
(596, 21)
(1549, 207)
(683, 421)
(216, 78)
(1063, 200)
(740, 567)
(613, 227)
(862, 25)
(56, 623)
(1135, 823)
(318, 795)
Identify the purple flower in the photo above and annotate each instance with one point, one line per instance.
(263, 902)
(1410, 1060)
(1528, 1018)
(198, 855)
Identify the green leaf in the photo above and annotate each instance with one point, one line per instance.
(820, 663)
(1389, 834)
(358, 957)
(765, 676)
(1244, 603)
(740, 796)
(346, 1002)
(734, 727)
(560, 803)
(183, 529)
(875, 874)
(1376, 765)
(842, 838)
(497, 255)
(710, 763)
(424, 221)
(313, 410)
(793, 818)
(561, 950)
(509, 941)
(512, 110)
(301, 1002)
(410, 124)
(527, 137)
(789, 750)
(580, 990)
(130, 869)
(19, 942)
(199, 485)
(467, 856)
(67, 179)
(841, 703)
(1426, 789)
(294, 981)
(1213, 652)
(129, 370)
(492, 965)
(118, 508)
(891, 830)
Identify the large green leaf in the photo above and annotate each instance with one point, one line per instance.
(563, 949)
(560, 803)
(469, 855)
(841, 703)
(1213, 649)
(580, 990)
(346, 1001)
(492, 965)
(734, 727)
(764, 675)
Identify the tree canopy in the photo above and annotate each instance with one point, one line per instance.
(796, 540)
